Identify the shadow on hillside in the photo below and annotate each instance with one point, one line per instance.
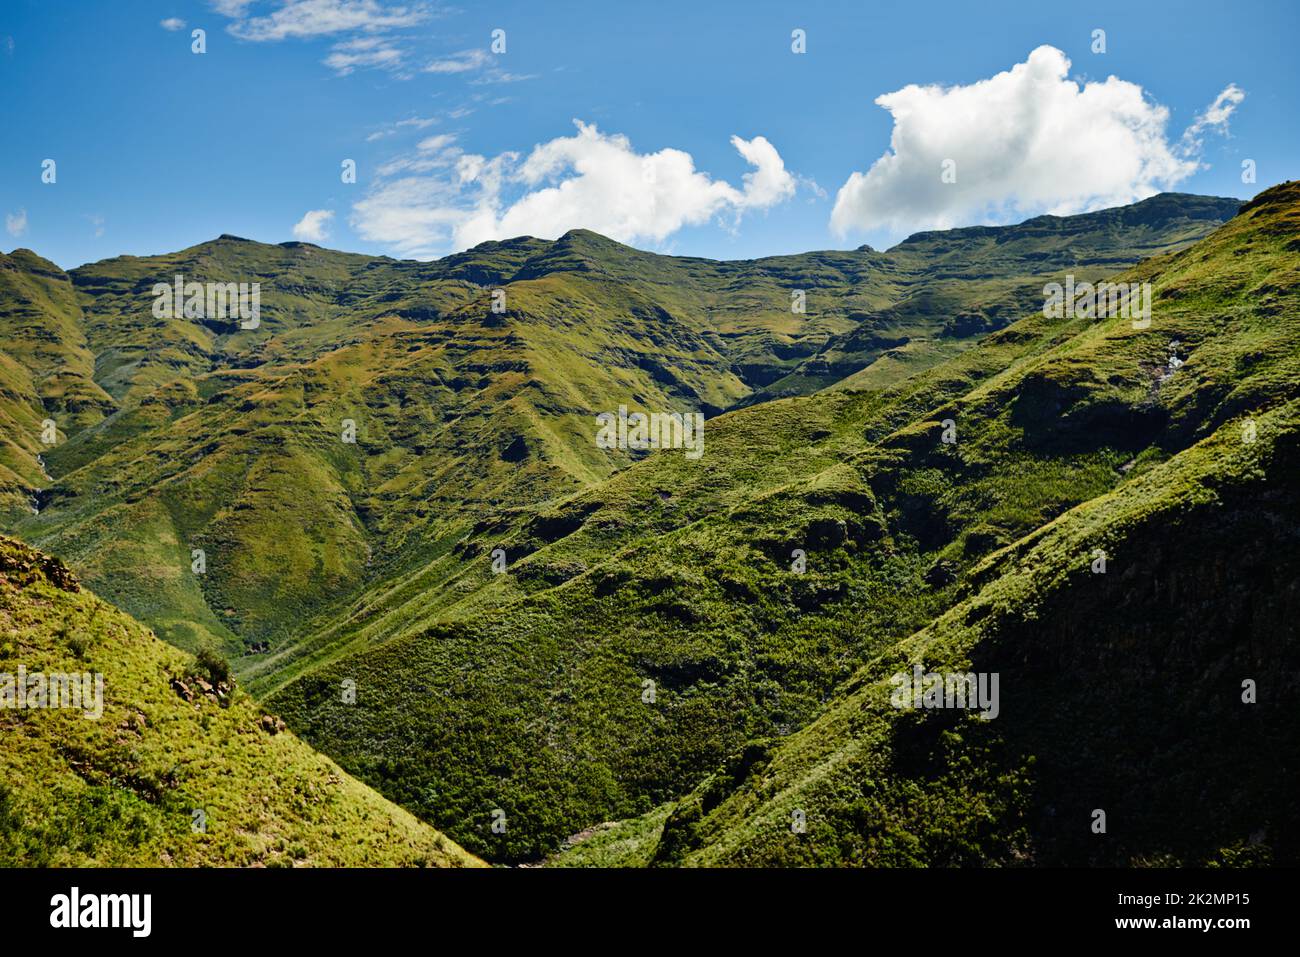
(1127, 690)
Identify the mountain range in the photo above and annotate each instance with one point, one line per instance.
(561, 653)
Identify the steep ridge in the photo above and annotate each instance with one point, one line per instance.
(167, 766)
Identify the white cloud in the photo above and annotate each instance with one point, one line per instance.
(480, 62)
(312, 226)
(16, 223)
(1026, 141)
(231, 8)
(363, 53)
(172, 23)
(313, 18)
(769, 183)
(413, 122)
(441, 199)
(502, 76)
(461, 62)
(435, 144)
(1215, 116)
(98, 222)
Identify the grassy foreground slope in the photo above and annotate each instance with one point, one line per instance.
(678, 578)
(121, 790)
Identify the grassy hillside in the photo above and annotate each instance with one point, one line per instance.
(46, 374)
(957, 285)
(527, 693)
(121, 790)
(1123, 691)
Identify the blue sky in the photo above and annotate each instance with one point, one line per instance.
(158, 148)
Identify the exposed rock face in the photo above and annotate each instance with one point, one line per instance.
(23, 566)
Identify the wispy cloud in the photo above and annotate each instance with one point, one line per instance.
(413, 123)
(367, 35)
(1214, 118)
(484, 65)
(315, 18)
(502, 76)
(363, 53)
(16, 223)
(172, 23)
(462, 62)
(231, 8)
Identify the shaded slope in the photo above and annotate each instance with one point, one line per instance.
(1120, 691)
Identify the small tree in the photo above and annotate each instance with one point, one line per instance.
(214, 664)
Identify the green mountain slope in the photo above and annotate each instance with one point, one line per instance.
(229, 440)
(122, 789)
(1120, 691)
(527, 693)
(957, 285)
(46, 374)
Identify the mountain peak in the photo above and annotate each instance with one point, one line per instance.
(587, 237)
(29, 261)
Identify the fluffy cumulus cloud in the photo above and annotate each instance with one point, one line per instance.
(1026, 141)
(441, 199)
(313, 226)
